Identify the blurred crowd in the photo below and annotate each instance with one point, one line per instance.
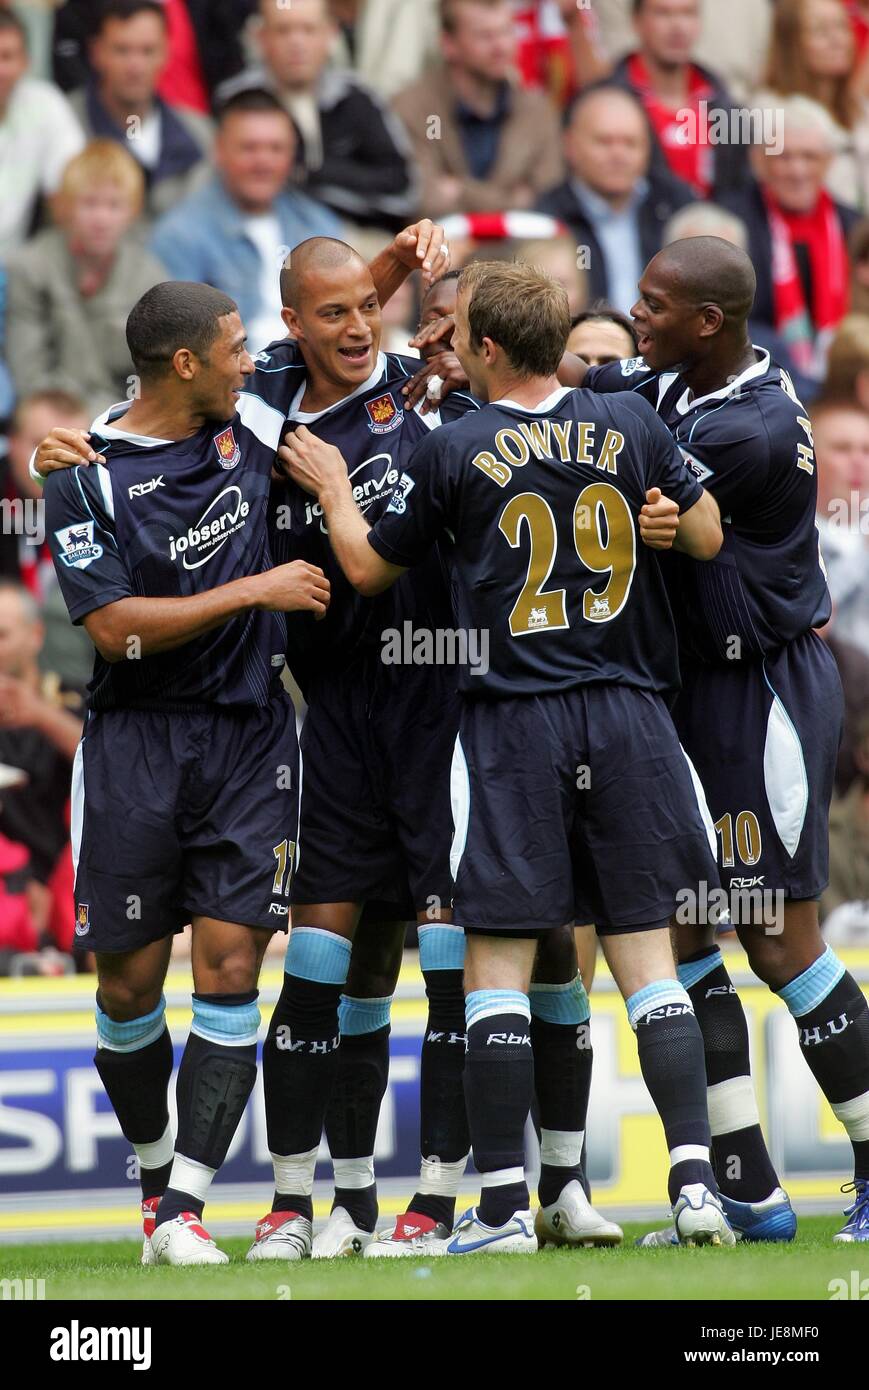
(202, 139)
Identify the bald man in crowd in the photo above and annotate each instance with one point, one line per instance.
(615, 205)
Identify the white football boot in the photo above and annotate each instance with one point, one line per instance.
(472, 1237)
(282, 1235)
(340, 1236)
(411, 1235)
(572, 1220)
(699, 1219)
(184, 1241)
(149, 1212)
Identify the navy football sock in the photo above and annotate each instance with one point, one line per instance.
(134, 1061)
(300, 1060)
(743, 1167)
(354, 1105)
(561, 1042)
(499, 1083)
(215, 1080)
(444, 1135)
(670, 1047)
(832, 1019)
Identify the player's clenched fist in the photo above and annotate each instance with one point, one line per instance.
(659, 520)
(310, 462)
(297, 586)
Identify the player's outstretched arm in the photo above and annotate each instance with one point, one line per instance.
(419, 247)
(136, 627)
(321, 470)
(699, 533)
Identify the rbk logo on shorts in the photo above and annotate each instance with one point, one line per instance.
(228, 451)
(78, 547)
(383, 414)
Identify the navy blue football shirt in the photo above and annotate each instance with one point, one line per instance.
(751, 446)
(376, 436)
(169, 519)
(542, 507)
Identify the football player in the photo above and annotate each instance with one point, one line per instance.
(760, 711)
(568, 782)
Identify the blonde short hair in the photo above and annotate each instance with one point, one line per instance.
(104, 161)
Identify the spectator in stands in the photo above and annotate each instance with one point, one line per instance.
(734, 37)
(386, 43)
(798, 234)
(40, 729)
(235, 231)
(613, 204)
(559, 258)
(353, 154)
(71, 288)
(841, 442)
(24, 552)
(845, 903)
(858, 247)
(39, 134)
(559, 47)
(813, 53)
(128, 50)
(848, 363)
(681, 98)
(205, 46)
(602, 335)
(482, 144)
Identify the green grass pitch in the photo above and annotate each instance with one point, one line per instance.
(84, 1271)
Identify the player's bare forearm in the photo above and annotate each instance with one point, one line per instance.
(699, 534)
(138, 627)
(572, 370)
(348, 535)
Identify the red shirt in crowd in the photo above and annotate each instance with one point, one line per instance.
(181, 81)
(685, 145)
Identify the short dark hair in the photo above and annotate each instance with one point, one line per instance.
(126, 9)
(601, 312)
(256, 99)
(444, 280)
(9, 20)
(174, 314)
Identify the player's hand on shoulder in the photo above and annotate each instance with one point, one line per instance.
(297, 586)
(311, 462)
(434, 381)
(659, 520)
(64, 448)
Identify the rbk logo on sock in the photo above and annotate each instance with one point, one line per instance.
(665, 1011)
(508, 1040)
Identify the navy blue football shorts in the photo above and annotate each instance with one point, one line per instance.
(377, 743)
(764, 738)
(181, 815)
(575, 806)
